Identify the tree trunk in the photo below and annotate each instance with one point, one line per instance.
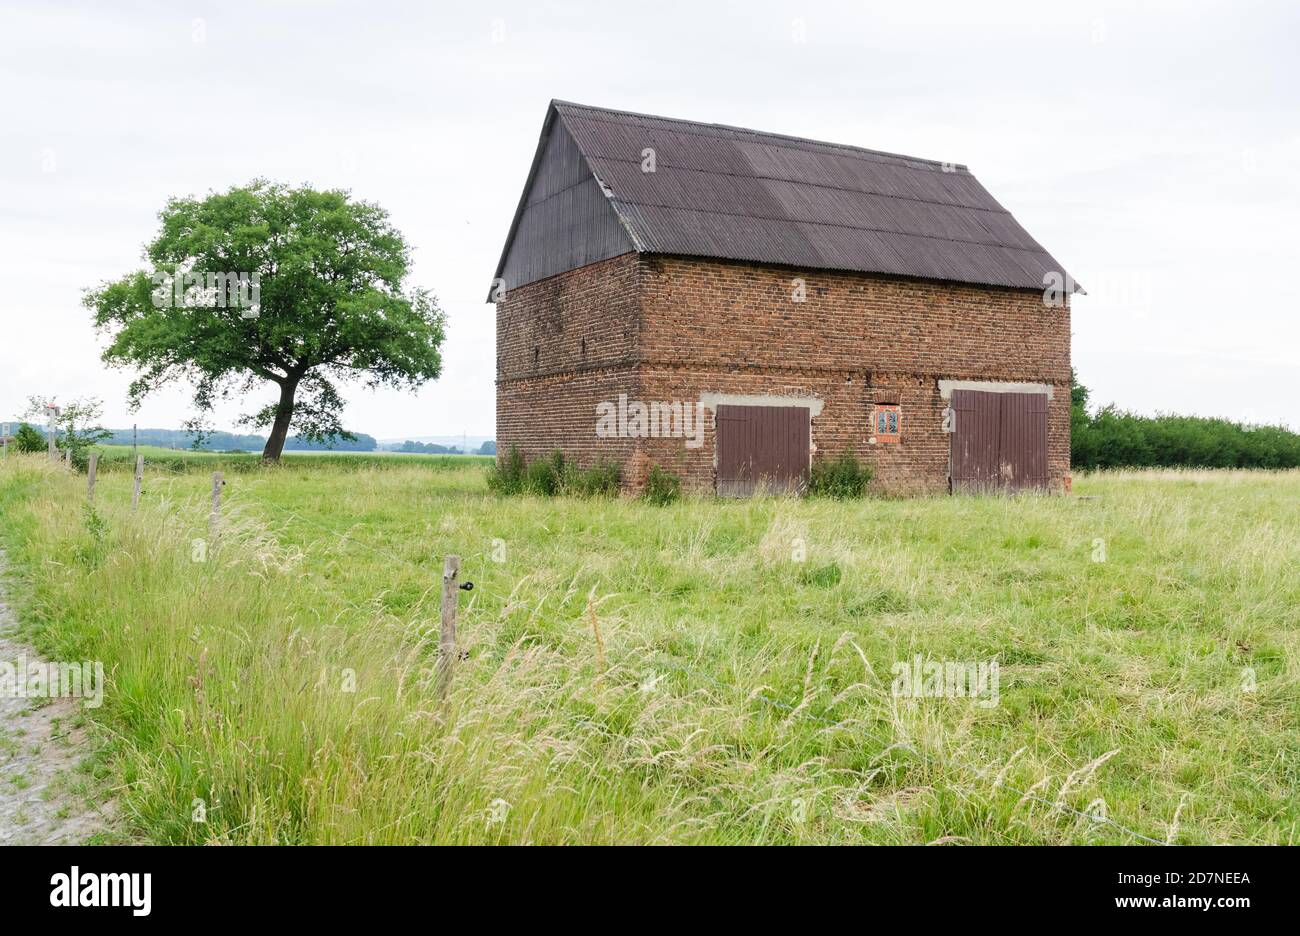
(280, 428)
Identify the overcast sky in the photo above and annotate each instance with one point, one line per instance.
(1153, 149)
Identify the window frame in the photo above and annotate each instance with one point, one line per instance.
(887, 410)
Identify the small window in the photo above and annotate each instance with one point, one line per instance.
(886, 422)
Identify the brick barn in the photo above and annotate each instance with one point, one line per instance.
(729, 304)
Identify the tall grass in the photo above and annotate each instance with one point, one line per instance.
(705, 671)
(550, 476)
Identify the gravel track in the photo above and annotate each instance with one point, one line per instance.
(43, 798)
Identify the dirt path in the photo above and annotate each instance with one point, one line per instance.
(44, 800)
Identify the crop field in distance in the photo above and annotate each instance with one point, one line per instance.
(704, 672)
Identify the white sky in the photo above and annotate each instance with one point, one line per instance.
(1152, 148)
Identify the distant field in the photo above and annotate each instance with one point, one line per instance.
(119, 457)
(736, 684)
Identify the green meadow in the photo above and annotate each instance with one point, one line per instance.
(122, 457)
(704, 672)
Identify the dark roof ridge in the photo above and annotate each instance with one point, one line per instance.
(850, 149)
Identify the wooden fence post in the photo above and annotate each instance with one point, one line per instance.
(90, 478)
(447, 638)
(67, 458)
(214, 517)
(139, 477)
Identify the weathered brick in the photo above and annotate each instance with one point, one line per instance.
(671, 328)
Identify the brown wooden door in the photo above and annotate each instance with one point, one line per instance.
(1022, 445)
(974, 441)
(999, 441)
(762, 447)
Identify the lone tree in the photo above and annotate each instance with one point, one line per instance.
(271, 284)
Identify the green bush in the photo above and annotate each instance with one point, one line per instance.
(661, 487)
(552, 476)
(842, 476)
(1113, 438)
(76, 427)
(506, 476)
(602, 480)
(29, 440)
(545, 476)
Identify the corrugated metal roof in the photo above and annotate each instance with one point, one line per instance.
(735, 194)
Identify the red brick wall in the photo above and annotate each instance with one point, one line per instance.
(661, 328)
(738, 314)
(563, 345)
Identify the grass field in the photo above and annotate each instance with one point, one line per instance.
(735, 686)
(121, 458)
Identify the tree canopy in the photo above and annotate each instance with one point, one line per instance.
(271, 284)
